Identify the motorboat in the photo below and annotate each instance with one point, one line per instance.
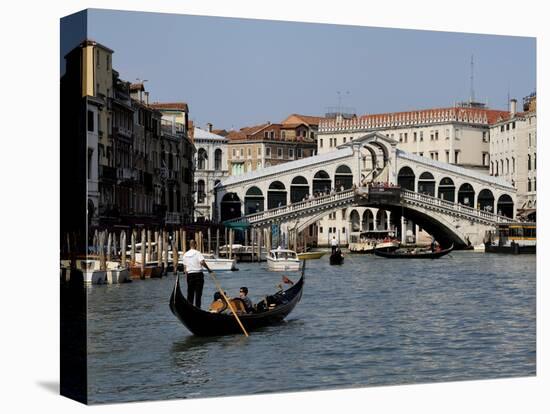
(283, 260)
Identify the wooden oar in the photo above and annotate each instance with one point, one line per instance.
(228, 302)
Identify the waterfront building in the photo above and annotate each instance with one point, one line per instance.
(210, 168)
(256, 147)
(175, 163)
(513, 153)
(456, 135)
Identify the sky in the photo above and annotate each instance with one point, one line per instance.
(241, 72)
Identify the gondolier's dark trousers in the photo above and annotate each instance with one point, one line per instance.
(195, 282)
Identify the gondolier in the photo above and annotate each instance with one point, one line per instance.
(193, 262)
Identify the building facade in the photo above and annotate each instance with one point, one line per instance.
(513, 153)
(260, 146)
(210, 168)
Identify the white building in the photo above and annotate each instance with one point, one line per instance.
(513, 152)
(92, 163)
(210, 168)
(456, 135)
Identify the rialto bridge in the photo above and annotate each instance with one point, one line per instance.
(452, 203)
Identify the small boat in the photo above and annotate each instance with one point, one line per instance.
(426, 254)
(369, 240)
(310, 255)
(273, 309)
(283, 260)
(214, 263)
(336, 258)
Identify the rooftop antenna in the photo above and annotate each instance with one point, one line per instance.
(472, 93)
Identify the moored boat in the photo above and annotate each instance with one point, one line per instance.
(271, 310)
(283, 260)
(310, 255)
(414, 254)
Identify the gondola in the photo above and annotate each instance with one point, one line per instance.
(336, 258)
(204, 323)
(420, 255)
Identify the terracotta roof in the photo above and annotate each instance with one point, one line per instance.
(236, 135)
(306, 119)
(458, 112)
(178, 106)
(221, 132)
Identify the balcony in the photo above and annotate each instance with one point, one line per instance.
(123, 132)
(172, 218)
(127, 174)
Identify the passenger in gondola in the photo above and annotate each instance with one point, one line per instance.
(219, 304)
(243, 295)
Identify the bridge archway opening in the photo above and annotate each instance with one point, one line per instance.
(405, 178)
(343, 178)
(230, 206)
(382, 220)
(321, 182)
(466, 195)
(505, 206)
(486, 201)
(253, 201)
(355, 221)
(299, 189)
(368, 220)
(276, 195)
(446, 190)
(426, 184)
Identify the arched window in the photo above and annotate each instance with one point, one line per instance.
(201, 159)
(405, 178)
(529, 162)
(253, 200)
(218, 159)
(276, 195)
(426, 184)
(343, 179)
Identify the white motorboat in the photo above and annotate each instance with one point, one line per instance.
(215, 264)
(283, 260)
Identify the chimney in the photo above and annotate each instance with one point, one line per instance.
(209, 127)
(147, 98)
(513, 107)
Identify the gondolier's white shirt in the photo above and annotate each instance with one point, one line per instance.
(192, 261)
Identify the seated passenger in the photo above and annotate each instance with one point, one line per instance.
(219, 304)
(243, 292)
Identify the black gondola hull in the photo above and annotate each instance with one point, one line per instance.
(203, 323)
(427, 255)
(336, 259)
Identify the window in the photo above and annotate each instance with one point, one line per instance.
(400, 137)
(436, 135)
(502, 128)
(218, 159)
(421, 154)
(457, 152)
(279, 152)
(283, 134)
(234, 152)
(343, 230)
(107, 60)
(529, 162)
(507, 127)
(485, 136)
(447, 133)
(421, 135)
(513, 165)
(321, 142)
(447, 156)
(290, 153)
(311, 135)
(320, 229)
(405, 137)
(90, 155)
(267, 152)
(529, 184)
(242, 152)
(91, 121)
(265, 134)
(299, 152)
(414, 136)
(344, 140)
(259, 151)
(249, 152)
(485, 159)
(330, 228)
(271, 134)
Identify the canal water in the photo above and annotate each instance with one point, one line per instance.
(371, 321)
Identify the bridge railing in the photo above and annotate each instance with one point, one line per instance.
(292, 208)
(449, 205)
